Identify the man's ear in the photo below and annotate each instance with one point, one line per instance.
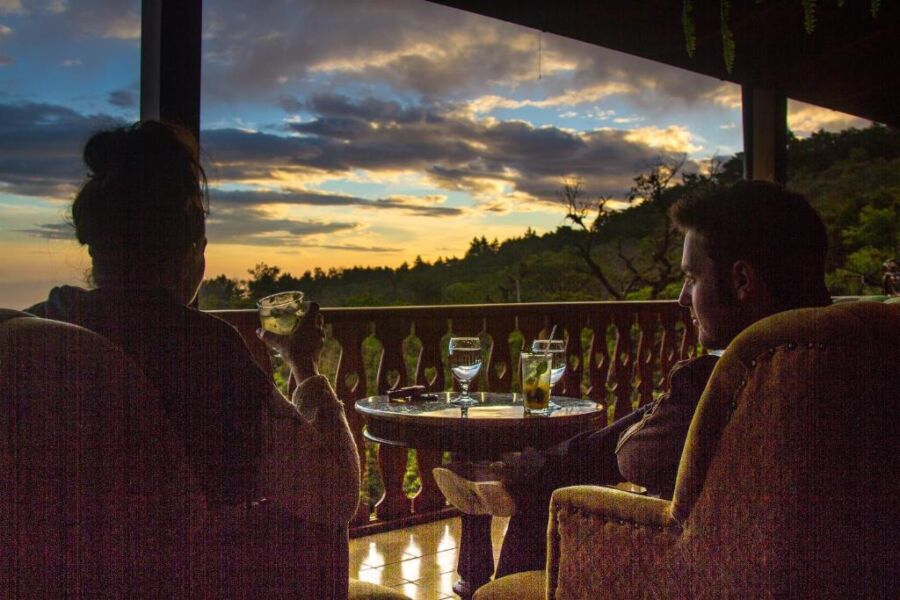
(745, 282)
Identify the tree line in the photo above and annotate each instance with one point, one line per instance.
(852, 178)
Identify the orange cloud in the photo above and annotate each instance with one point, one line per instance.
(674, 138)
(806, 119)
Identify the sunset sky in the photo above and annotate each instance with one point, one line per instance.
(341, 133)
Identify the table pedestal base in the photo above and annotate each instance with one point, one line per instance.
(476, 556)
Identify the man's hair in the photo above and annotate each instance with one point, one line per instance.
(775, 230)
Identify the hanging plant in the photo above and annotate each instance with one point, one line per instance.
(727, 36)
(728, 45)
(690, 31)
(809, 15)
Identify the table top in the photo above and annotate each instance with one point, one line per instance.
(496, 424)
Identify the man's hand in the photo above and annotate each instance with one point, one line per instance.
(301, 349)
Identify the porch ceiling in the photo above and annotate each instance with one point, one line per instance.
(849, 63)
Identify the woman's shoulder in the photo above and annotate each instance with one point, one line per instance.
(213, 326)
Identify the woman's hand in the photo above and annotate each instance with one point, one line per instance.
(301, 349)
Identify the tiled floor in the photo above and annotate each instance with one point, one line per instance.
(419, 561)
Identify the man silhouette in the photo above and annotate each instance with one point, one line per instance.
(750, 250)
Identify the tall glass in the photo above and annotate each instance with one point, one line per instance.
(536, 383)
(465, 363)
(557, 351)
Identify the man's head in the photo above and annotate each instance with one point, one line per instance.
(750, 250)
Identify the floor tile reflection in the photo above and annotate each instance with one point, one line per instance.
(419, 561)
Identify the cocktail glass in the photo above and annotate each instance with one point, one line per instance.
(536, 383)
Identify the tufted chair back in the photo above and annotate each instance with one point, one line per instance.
(788, 483)
(96, 498)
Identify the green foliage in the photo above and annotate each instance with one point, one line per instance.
(877, 227)
(853, 179)
(222, 292)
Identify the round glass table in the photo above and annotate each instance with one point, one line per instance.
(497, 424)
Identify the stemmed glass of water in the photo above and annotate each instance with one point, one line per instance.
(465, 363)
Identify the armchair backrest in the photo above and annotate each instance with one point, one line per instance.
(789, 479)
(96, 497)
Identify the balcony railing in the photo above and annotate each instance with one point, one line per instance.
(619, 354)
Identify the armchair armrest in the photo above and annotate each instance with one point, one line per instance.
(600, 541)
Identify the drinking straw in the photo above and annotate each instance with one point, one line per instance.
(552, 331)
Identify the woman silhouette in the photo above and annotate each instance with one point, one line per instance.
(142, 214)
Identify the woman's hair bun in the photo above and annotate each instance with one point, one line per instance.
(105, 151)
(146, 192)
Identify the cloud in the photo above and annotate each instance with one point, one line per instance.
(574, 97)
(503, 165)
(356, 248)
(71, 62)
(40, 148)
(726, 94)
(125, 26)
(50, 231)
(122, 98)
(806, 119)
(59, 22)
(256, 227)
(454, 151)
(419, 206)
(419, 49)
(10, 7)
(628, 120)
(4, 30)
(57, 6)
(673, 139)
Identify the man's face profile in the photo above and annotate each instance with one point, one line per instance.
(716, 320)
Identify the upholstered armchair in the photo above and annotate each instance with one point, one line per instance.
(787, 487)
(97, 498)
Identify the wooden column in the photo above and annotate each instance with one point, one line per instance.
(765, 134)
(171, 32)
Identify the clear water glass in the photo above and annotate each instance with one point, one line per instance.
(557, 351)
(281, 313)
(465, 363)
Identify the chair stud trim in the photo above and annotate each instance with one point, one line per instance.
(605, 518)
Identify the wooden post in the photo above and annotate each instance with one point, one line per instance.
(765, 134)
(171, 32)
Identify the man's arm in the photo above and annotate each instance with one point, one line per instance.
(649, 452)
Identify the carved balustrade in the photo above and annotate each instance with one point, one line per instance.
(619, 354)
